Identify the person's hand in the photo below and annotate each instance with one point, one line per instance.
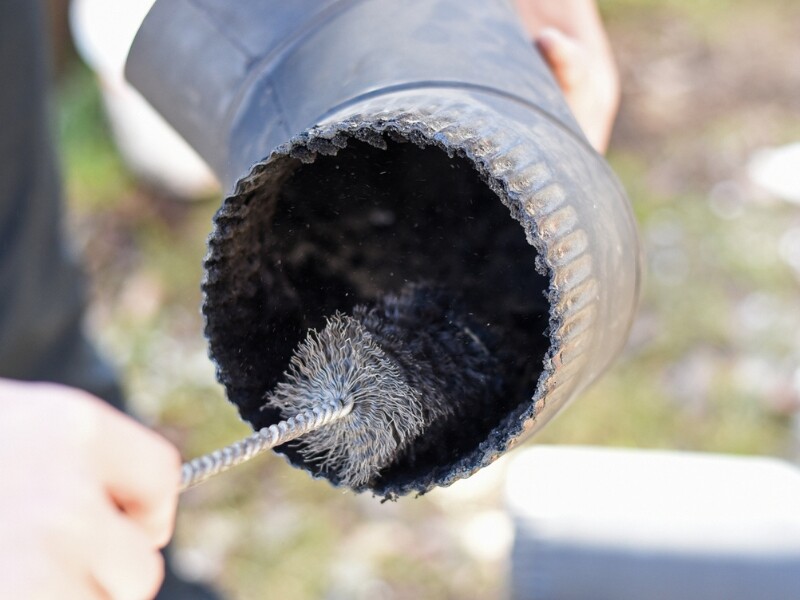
(571, 38)
(88, 497)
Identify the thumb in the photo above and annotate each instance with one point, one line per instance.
(565, 57)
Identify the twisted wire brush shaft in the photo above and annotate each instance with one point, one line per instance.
(199, 469)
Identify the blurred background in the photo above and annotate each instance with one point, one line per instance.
(711, 105)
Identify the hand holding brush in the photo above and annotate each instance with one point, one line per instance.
(89, 496)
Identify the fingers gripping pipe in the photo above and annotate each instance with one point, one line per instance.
(201, 468)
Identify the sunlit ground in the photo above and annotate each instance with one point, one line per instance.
(712, 363)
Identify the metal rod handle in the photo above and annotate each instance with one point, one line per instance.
(203, 467)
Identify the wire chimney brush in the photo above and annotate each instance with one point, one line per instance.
(361, 389)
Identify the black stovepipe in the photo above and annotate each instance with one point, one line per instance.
(372, 144)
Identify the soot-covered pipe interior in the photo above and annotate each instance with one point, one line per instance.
(378, 229)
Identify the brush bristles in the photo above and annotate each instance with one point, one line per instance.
(420, 373)
(342, 362)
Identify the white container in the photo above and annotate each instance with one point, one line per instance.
(595, 524)
(103, 33)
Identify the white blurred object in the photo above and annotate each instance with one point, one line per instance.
(103, 32)
(595, 523)
(777, 171)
